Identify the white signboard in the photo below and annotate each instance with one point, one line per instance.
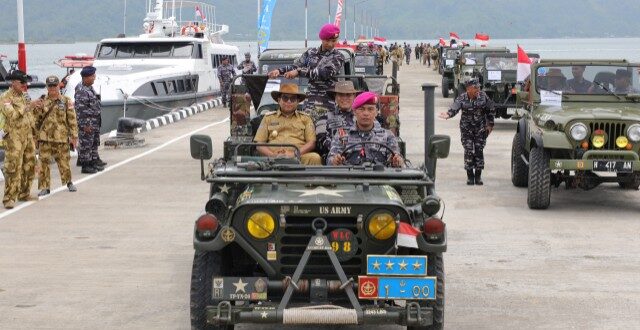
(494, 75)
(272, 85)
(550, 97)
(449, 62)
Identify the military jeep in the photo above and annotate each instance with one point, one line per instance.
(447, 63)
(581, 132)
(470, 65)
(283, 243)
(499, 81)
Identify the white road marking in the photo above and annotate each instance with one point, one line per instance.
(110, 168)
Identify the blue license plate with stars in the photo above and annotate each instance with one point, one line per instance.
(389, 265)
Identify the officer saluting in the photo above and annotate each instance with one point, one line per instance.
(476, 124)
(88, 109)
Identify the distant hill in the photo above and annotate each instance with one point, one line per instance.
(91, 20)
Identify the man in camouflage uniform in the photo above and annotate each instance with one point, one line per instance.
(87, 103)
(366, 109)
(226, 72)
(340, 119)
(56, 127)
(476, 124)
(288, 126)
(20, 154)
(247, 66)
(321, 65)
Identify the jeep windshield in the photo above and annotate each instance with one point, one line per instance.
(450, 56)
(588, 79)
(268, 103)
(501, 63)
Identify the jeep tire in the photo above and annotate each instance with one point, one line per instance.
(206, 265)
(634, 184)
(519, 169)
(435, 267)
(539, 192)
(445, 87)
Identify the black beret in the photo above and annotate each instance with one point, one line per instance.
(88, 71)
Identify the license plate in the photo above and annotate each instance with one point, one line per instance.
(389, 265)
(511, 111)
(359, 70)
(239, 288)
(613, 166)
(401, 288)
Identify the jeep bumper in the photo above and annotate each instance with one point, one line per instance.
(630, 161)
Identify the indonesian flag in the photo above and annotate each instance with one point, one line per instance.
(454, 35)
(199, 14)
(407, 236)
(442, 42)
(482, 39)
(339, 13)
(381, 39)
(524, 65)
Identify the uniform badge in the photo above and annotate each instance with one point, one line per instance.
(274, 134)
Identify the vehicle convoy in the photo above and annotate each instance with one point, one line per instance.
(447, 63)
(470, 65)
(284, 243)
(499, 81)
(581, 131)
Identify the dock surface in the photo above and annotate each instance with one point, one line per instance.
(117, 254)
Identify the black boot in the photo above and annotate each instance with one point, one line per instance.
(479, 177)
(87, 168)
(99, 162)
(95, 164)
(470, 180)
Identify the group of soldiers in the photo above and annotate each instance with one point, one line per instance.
(337, 125)
(48, 127)
(226, 73)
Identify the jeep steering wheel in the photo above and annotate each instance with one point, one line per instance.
(349, 148)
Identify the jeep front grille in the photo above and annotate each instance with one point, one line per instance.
(296, 236)
(613, 130)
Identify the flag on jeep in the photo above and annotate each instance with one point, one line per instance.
(442, 42)
(482, 39)
(524, 65)
(407, 236)
(454, 35)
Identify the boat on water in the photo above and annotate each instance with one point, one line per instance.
(34, 82)
(172, 64)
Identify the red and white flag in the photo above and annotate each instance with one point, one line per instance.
(339, 13)
(199, 14)
(407, 235)
(482, 39)
(442, 42)
(381, 39)
(454, 35)
(524, 65)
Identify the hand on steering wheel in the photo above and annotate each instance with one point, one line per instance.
(395, 159)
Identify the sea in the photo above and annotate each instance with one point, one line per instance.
(41, 57)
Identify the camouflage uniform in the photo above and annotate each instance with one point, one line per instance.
(88, 112)
(365, 152)
(476, 116)
(336, 121)
(56, 123)
(20, 158)
(225, 75)
(320, 67)
(247, 67)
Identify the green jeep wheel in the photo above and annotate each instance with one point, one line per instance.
(206, 265)
(519, 170)
(445, 87)
(539, 192)
(633, 184)
(435, 268)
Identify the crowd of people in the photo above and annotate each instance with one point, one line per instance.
(37, 132)
(424, 53)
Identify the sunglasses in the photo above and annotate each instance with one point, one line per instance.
(289, 98)
(23, 83)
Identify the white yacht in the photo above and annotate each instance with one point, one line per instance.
(173, 64)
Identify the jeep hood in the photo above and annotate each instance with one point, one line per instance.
(588, 111)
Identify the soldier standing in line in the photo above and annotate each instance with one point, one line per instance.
(56, 127)
(365, 107)
(407, 53)
(476, 124)
(88, 109)
(20, 159)
(321, 65)
(226, 72)
(338, 120)
(247, 66)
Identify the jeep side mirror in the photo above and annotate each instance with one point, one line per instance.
(201, 147)
(439, 146)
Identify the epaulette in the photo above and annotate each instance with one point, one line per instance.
(269, 113)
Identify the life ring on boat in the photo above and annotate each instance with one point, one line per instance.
(189, 30)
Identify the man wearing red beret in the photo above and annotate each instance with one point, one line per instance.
(321, 65)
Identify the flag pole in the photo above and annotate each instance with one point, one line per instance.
(257, 34)
(306, 16)
(22, 49)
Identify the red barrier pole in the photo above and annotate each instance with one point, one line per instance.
(22, 50)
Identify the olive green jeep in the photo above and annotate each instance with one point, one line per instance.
(470, 65)
(580, 126)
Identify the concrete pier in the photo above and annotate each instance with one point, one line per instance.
(117, 254)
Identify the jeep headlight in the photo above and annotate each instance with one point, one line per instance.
(381, 225)
(633, 133)
(261, 225)
(579, 131)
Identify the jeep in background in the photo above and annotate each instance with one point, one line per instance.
(283, 243)
(470, 65)
(499, 81)
(447, 63)
(578, 132)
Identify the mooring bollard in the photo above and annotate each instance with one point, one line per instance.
(429, 124)
(394, 70)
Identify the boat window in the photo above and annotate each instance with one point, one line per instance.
(187, 85)
(182, 50)
(194, 83)
(171, 87)
(180, 86)
(107, 51)
(142, 51)
(199, 55)
(160, 87)
(161, 50)
(125, 51)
